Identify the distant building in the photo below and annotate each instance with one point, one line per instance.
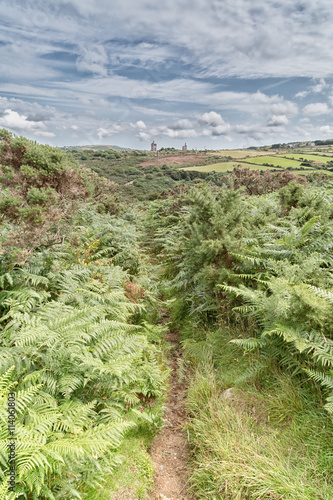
(184, 148)
(153, 146)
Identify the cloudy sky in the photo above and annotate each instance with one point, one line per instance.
(213, 73)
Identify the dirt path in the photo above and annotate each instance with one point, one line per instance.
(170, 449)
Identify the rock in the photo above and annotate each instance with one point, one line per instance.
(229, 394)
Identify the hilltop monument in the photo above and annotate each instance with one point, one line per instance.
(153, 146)
(184, 148)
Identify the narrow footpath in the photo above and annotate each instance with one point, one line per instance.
(170, 447)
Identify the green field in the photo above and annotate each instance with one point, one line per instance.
(273, 160)
(230, 165)
(309, 157)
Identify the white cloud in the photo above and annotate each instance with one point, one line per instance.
(175, 134)
(283, 108)
(15, 121)
(251, 130)
(215, 122)
(93, 60)
(327, 130)
(277, 120)
(319, 87)
(106, 66)
(182, 129)
(304, 132)
(220, 129)
(185, 129)
(143, 136)
(183, 124)
(141, 125)
(316, 109)
(211, 119)
(302, 94)
(239, 38)
(111, 130)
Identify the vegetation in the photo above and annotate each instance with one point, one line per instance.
(41, 188)
(243, 262)
(274, 161)
(227, 167)
(78, 345)
(308, 157)
(140, 176)
(294, 160)
(254, 273)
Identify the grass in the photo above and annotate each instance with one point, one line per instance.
(133, 478)
(229, 166)
(309, 157)
(269, 438)
(274, 160)
(254, 163)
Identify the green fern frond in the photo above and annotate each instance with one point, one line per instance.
(249, 344)
(324, 294)
(290, 334)
(323, 378)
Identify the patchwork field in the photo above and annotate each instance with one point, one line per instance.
(254, 159)
(309, 157)
(274, 160)
(266, 162)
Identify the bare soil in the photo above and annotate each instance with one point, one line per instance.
(170, 448)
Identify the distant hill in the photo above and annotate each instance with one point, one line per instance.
(95, 147)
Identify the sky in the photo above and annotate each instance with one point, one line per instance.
(216, 74)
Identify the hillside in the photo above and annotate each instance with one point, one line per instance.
(141, 175)
(170, 341)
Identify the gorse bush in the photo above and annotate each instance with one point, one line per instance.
(266, 259)
(255, 182)
(253, 273)
(41, 188)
